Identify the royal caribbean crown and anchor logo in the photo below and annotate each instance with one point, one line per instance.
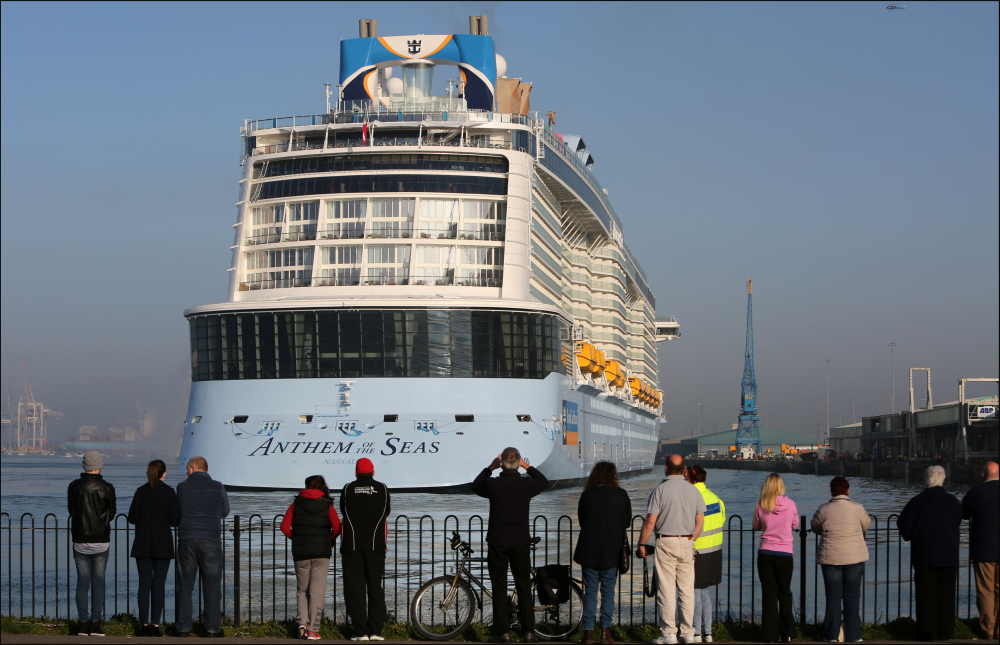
(413, 46)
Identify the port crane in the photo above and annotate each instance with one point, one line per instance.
(747, 428)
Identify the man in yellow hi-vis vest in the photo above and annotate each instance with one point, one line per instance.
(708, 554)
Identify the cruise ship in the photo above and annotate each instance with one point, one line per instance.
(423, 281)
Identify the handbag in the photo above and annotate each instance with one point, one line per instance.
(625, 555)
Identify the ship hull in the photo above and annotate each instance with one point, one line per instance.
(271, 434)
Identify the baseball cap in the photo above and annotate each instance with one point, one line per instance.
(364, 466)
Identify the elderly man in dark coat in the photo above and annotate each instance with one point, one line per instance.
(930, 522)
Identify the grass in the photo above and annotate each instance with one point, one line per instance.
(901, 629)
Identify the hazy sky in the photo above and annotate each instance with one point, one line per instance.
(843, 156)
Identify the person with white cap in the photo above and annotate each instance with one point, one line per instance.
(92, 508)
(364, 505)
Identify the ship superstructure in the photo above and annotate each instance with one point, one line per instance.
(423, 280)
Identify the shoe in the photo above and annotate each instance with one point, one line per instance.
(359, 638)
(96, 628)
(218, 634)
(706, 638)
(606, 636)
(588, 637)
(502, 638)
(303, 632)
(312, 636)
(665, 639)
(84, 629)
(375, 637)
(530, 638)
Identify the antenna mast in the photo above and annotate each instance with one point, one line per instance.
(747, 428)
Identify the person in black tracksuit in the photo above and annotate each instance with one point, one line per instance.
(509, 537)
(364, 506)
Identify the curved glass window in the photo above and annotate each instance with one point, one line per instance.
(348, 163)
(382, 184)
(458, 343)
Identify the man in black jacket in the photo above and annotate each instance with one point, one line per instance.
(364, 505)
(509, 537)
(92, 507)
(931, 521)
(982, 506)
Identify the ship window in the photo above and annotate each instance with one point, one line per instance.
(375, 343)
(196, 419)
(390, 418)
(347, 163)
(240, 418)
(382, 183)
(524, 418)
(305, 418)
(465, 418)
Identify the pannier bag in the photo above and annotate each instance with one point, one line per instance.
(552, 583)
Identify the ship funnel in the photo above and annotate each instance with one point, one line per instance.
(417, 78)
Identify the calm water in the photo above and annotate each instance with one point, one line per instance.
(37, 485)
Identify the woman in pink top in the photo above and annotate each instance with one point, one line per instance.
(776, 517)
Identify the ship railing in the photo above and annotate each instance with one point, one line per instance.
(276, 283)
(380, 142)
(351, 234)
(384, 115)
(38, 576)
(286, 236)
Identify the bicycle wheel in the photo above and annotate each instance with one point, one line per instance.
(559, 622)
(432, 619)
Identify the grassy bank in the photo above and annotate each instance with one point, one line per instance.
(901, 629)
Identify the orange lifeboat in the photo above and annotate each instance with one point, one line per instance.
(586, 358)
(635, 385)
(615, 375)
(602, 362)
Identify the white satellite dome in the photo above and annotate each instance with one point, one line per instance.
(394, 86)
(501, 66)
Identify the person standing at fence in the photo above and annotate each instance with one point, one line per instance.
(776, 517)
(842, 553)
(154, 511)
(92, 508)
(707, 554)
(203, 504)
(675, 514)
(509, 538)
(311, 523)
(930, 522)
(364, 503)
(604, 513)
(982, 506)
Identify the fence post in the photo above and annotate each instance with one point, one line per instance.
(802, 571)
(236, 569)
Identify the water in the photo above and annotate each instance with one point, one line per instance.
(37, 485)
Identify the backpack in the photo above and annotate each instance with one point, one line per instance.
(552, 582)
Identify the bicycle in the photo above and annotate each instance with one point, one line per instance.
(450, 602)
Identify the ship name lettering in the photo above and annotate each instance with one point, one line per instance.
(271, 447)
(312, 447)
(329, 447)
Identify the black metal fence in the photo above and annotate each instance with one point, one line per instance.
(38, 579)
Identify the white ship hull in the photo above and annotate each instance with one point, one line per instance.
(279, 445)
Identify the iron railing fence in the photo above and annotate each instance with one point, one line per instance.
(37, 577)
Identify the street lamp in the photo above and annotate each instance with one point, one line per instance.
(892, 408)
(827, 361)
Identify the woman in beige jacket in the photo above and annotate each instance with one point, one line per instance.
(842, 552)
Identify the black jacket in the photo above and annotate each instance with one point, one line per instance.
(311, 528)
(982, 506)
(510, 497)
(93, 506)
(604, 514)
(154, 511)
(203, 502)
(364, 507)
(930, 521)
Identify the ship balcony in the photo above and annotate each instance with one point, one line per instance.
(360, 112)
(667, 329)
(368, 281)
(377, 142)
(273, 237)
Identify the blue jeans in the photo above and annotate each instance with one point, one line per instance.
(702, 611)
(605, 580)
(843, 589)
(90, 581)
(199, 558)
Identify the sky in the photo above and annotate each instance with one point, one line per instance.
(843, 156)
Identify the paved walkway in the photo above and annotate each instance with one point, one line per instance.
(12, 639)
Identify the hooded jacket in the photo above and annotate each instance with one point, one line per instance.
(841, 525)
(92, 507)
(311, 523)
(777, 527)
(364, 505)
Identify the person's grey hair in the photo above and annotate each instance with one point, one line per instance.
(510, 458)
(198, 463)
(934, 476)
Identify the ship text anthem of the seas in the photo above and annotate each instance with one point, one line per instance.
(423, 280)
